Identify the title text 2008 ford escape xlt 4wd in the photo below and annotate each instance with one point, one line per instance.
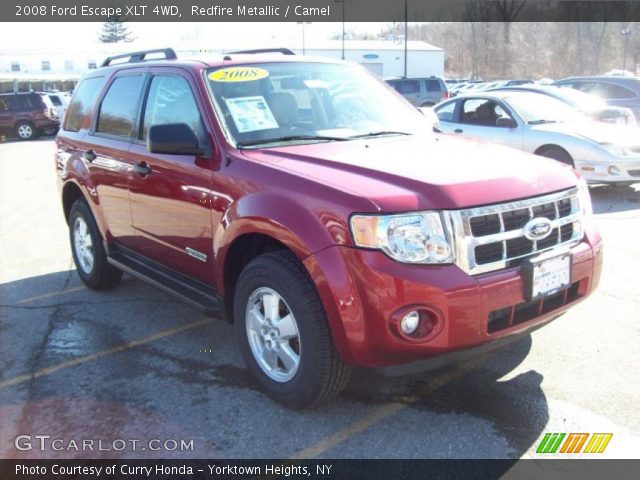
(309, 204)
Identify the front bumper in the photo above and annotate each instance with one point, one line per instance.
(614, 171)
(361, 290)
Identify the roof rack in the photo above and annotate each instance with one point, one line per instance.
(284, 51)
(134, 57)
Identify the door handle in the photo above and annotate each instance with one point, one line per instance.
(457, 130)
(141, 168)
(89, 156)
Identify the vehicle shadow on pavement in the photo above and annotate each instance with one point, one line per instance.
(606, 199)
(516, 407)
(167, 387)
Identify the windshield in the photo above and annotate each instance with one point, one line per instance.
(534, 108)
(284, 103)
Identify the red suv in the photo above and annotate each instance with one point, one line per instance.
(27, 115)
(312, 206)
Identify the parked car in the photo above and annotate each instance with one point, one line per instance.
(421, 92)
(545, 126)
(592, 106)
(616, 91)
(27, 115)
(306, 203)
(60, 102)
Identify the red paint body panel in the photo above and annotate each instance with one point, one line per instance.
(303, 196)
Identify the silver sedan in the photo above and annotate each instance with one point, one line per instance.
(536, 123)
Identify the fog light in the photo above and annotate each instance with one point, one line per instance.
(410, 322)
(613, 170)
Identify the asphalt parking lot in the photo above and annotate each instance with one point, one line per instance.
(134, 364)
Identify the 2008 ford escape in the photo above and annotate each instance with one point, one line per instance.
(310, 205)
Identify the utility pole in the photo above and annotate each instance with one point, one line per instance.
(625, 33)
(342, 2)
(406, 31)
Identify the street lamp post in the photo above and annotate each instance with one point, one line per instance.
(342, 2)
(303, 46)
(625, 33)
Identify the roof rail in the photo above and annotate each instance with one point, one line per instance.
(284, 51)
(134, 57)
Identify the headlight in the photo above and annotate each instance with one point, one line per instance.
(618, 150)
(584, 197)
(410, 238)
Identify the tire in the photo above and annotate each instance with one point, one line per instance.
(50, 131)
(88, 250)
(271, 348)
(557, 153)
(26, 131)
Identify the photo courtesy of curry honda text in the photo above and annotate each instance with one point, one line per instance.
(308, 203)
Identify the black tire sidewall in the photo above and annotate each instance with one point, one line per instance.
(92, 279)
(304, 387)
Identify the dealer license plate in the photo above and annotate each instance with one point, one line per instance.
(548, 276)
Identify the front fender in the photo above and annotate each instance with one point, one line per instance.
(304, 229)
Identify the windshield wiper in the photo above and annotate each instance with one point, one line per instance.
(289, 138)
(541, 122)
(379, 134)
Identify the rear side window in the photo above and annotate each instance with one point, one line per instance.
(55, 100)
(171, 100)
(119, 106)
(409, 86)
(23, 102)
(433, 86)
(609, 91)
(81, 103)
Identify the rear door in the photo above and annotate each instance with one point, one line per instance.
(106, 151)
(6, 123)
(171, 202)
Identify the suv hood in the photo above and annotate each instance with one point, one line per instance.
(403, 173)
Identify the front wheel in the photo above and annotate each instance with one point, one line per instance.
(284, 335)
(89, 254)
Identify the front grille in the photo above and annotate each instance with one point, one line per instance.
(523, 312)
(493, 236)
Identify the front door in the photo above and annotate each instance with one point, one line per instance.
(170, 194)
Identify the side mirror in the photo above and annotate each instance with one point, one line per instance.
(506, 122)
(173, 139)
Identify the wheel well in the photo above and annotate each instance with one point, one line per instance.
(70, 193)
(244, 249)
(549, 146)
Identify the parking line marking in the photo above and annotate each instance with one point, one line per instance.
(49, 295)
(383, 412)
(94, 356)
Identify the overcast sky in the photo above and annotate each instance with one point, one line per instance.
(212, 35)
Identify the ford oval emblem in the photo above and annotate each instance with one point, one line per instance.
(370, 56)
(537, 228)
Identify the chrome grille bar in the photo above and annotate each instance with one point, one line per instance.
(460, 230)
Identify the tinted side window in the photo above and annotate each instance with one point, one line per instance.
(119, 106)
(82, 102)
(55, 100)
(433, 85)
(610, 91)
(171, 100)
(410, 86)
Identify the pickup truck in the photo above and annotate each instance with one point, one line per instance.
(310, 205)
